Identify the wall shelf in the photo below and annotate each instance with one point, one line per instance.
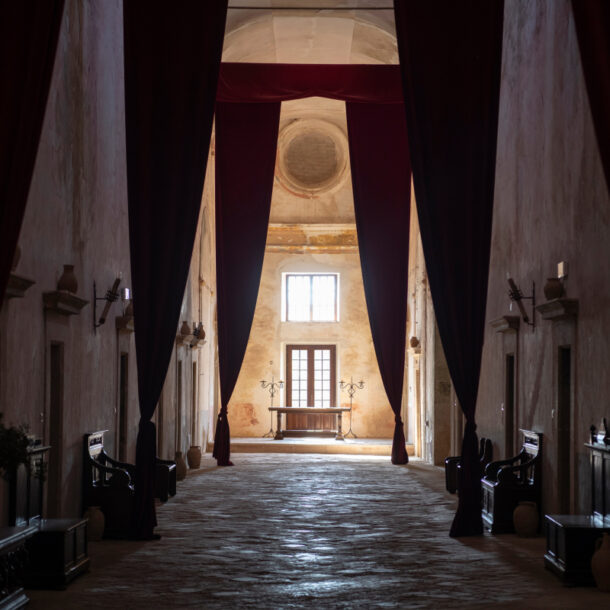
(505, 324)
(17, 286)
(63, 303)
(558, 309)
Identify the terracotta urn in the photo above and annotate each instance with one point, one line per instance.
(185, 329)
(193, 456)
(525, 519)
(200, 332)
(180, 466)
(67, 281)
(553, 289)
(600, 563)
(96, 524)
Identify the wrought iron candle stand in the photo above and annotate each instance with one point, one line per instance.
(351, 389)
(273, 386)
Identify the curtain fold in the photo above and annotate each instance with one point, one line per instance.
(245, 82)
(381, 180)
(172, 58)
(246, 143)
(450, 55)
(243, 85)
(592, 19)
(28, 42)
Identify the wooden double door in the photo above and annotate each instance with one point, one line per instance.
(311, 381)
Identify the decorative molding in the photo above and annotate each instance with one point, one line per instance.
(63, 303)
(558, 309)
(17, 285)
(506, 324)
(124, 324)
(308, 237)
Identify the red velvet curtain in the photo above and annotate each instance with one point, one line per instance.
(241, 82)
(243, 204)
(28, 40)
(592, 18)
(172, 58)
(381, 179)
(246, 142)
(450, 54)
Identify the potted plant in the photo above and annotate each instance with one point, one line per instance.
(14, 444)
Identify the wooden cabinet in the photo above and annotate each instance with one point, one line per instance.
(570, 539)
(570, 544)
(13, 559)
(58, 553)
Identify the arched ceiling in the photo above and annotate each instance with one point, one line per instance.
(314, 35)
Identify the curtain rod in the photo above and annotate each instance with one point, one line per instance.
(312, 8)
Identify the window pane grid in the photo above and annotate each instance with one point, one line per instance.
(311, 298)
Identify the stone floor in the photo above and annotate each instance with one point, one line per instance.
(315, 531)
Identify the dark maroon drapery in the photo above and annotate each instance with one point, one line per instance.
(379, 88)
(592, 18)
(28, 42)
(381, 179)
(172, 56)
(450, 55)
(280, 82)
(246, 142)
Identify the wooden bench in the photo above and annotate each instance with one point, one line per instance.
(570, 539)
(107, 484)
(453, 465)
(508, 482)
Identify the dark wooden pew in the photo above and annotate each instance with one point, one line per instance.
(508, 482)
(109, 484)
(453, 465)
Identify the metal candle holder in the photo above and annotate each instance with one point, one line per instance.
(351, 389)
(273, 386)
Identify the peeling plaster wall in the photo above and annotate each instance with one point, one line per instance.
(248, 408)
(77, 214)
(551, 204)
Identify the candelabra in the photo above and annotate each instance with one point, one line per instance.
(351, 388)
(273, 386)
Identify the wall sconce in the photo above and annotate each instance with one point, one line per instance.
(515, 294)
(111, 296)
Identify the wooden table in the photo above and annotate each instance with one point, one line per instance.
(279, 433)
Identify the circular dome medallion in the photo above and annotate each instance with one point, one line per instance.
(312, 157)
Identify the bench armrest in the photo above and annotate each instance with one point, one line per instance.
(117, 477)
(493, 468)
(130, 468)
(515, 473)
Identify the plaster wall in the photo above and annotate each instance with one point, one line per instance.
(248, 408)
(551, 204)
(76, 213)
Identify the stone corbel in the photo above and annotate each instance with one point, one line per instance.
(17, 286)
(63, 302)
(506, 324)
(558, 309)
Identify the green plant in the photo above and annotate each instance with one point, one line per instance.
(14, 443)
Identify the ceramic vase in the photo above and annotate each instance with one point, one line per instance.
(193, 456)
(180, 466)
(67, 281)
(97, 522)
(185, 329)
(600, 563)
(553, 289)
(525, 519)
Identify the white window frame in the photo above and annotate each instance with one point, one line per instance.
(284, 295)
